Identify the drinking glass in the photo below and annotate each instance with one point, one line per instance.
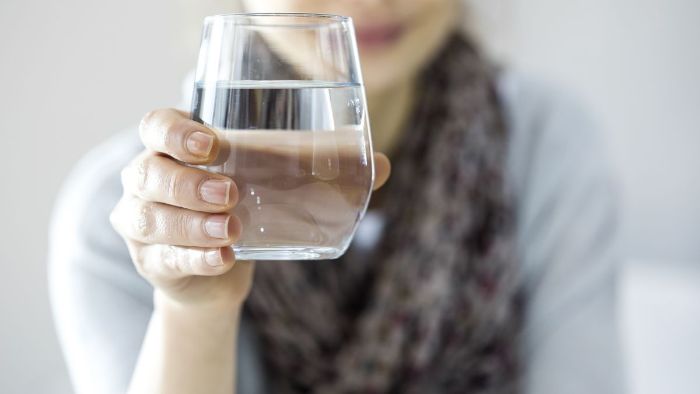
(284, 94)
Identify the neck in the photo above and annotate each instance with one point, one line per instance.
(389, 110)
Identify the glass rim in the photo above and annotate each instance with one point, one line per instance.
(326, 19)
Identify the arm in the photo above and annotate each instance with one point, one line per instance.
(101, 301)
(567, 238)
(102, 281)
(100, 304)
(571, 326)
(187, 350)
(178, 227)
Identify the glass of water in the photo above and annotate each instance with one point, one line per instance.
(284, 94)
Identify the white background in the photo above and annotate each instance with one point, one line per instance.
(75, 71)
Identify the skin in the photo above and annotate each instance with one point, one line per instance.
(175, 219)
(389, 67)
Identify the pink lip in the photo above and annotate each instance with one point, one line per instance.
(372, 37)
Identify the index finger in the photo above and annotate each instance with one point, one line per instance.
(172, 132)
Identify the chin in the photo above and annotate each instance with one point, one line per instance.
(376, 76)
(379, 81)
(383, 69)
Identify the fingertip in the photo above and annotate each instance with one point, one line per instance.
(201, 145)
(218, 261)
(214, 258)
(233, 194)
(382, 170)
(227, 256)
(173, 133)
(228, 259)
(234, 228)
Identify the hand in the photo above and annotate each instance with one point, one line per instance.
(175, 219)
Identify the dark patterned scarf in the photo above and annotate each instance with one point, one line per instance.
(433, 308)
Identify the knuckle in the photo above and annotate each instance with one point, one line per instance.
(139, 172)
(151, 117)
(181, 182)
(167, 135)
(235, 194)
(143, 219)
(154, 128)
(142, 168)
(169, 258)
(173, 182)
(202, 260)
(138, 257)
(182, 225)
(173, 135)
(148, 119)
(185, 266)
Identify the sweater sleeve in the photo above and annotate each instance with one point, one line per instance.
(567, 240)
(101, 305)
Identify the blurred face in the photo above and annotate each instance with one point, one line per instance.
(395, 37)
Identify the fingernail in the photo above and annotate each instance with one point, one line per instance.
(217, 226)
(199, 143)
(215, 191)
(213, 258)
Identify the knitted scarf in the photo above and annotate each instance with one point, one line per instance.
(432, 309)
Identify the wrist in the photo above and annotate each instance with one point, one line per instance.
(224, 312)
(187, 349)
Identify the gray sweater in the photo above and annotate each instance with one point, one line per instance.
(566, 239)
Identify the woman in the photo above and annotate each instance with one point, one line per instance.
(484, 265)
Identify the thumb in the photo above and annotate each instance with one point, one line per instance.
(382, 170)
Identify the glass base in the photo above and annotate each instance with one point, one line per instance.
(286, 253)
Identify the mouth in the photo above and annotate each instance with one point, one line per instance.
(373, 37)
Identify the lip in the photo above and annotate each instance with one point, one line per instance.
(378, 36)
